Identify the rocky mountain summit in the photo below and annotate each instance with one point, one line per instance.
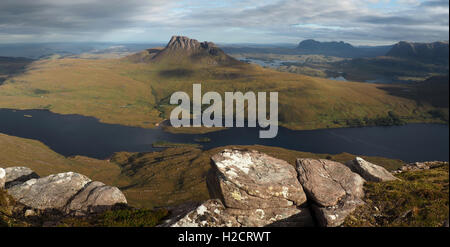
(65, 193)
(249, 188)
(183, 50)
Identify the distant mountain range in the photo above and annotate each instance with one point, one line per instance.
(435, 53)
(315, 47)
(340, 49)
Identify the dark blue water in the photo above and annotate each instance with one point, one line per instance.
(79, 135)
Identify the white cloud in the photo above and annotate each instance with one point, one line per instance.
(224, 21)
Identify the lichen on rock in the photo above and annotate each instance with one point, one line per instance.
(249, 179)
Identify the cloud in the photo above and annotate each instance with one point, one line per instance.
(263, 21)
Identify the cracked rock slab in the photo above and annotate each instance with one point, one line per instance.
(369, 171)
(335, 215)
(51, 192)
(95, 197)
(334, 190)
(213, 213)
(247, 179)
(69, 193)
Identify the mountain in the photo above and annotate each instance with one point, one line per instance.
(181, 50)
(313, 45)
(340, 49)
(435, 53)
(333, 48)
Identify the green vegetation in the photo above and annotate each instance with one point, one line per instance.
(390, 120)
(128, 217)
(133, 218)
(420, 198)
(363, 69)
(8, 214)
(11, 215)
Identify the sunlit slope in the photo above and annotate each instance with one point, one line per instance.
(137, 94)
(87, 87)
(15, 151)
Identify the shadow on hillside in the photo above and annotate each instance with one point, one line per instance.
(434, 91)
(175, 73)
(12, 66)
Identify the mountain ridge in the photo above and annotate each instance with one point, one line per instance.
(434, 52)
(339, 49)
(182, 50)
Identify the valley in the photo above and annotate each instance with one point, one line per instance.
(135, 90)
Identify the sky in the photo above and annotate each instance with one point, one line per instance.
(360, 22)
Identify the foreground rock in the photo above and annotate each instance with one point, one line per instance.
(333, 188)
(369, 171)
(2, 178)
(67, 193)
(250, 189)
(250, 179)
(94, 198)
(17, 175)
(213, 213)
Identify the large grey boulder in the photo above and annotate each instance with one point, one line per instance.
(213, 213)
(369, 171)
(245, 179)
(17, 175)
(2, 178)
(66, 192)
(95, 197)
(250, 189)
(51, 192)
(334, 190)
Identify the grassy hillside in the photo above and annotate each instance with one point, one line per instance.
(399, 69)
(15, 151)
(137, 94)
(420, 198)
(156, 179)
